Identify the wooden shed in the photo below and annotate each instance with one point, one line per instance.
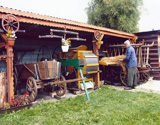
(35, 25)
(154, 53)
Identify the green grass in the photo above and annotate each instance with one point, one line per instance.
(107, 107)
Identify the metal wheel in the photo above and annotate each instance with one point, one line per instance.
(61, 88)
(123, 77)
(31, 88)
(10, 22)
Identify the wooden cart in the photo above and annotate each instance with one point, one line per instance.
(117, 68)
(114, 68)
(41, 74)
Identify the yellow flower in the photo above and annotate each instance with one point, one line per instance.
(9, 32)
(68, 42)
(99, 42)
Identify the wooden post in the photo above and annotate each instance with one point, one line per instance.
(10, 55)
(2, 89)
(96, 77)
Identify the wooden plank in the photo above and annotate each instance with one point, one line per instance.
(96, 76)
(68, 81)
(2, 89)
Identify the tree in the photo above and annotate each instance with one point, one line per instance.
(116, 14)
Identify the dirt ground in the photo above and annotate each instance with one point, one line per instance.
(152, 86)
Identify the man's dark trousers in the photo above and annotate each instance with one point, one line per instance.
(132, 77)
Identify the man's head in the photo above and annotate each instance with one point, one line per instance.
(127, 43)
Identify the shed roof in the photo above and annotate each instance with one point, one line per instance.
(32, 18)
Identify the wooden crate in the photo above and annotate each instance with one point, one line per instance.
(43, 70)
(25, 70)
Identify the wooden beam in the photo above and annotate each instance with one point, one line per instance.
(96, 77)
(71, 25)
(30, 16)
(10, 56)
(10, 74)
(3, 35)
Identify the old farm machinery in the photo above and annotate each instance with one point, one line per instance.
(89, 69)
(47, 72)
(77, 63)
(41, 74)
(115, 69)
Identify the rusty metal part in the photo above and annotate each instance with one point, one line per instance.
(10, 22)
(31, 88)
(61, 88)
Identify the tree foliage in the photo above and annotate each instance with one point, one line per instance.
(116, 14)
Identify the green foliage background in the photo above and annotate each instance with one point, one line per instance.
(116, 14)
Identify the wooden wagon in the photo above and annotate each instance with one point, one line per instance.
(118, 68)
(41, 74)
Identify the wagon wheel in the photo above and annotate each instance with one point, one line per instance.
(43, 55)
(55, 53)
(98, 35)
(31, 88)
(144, 76)
(123, 77)
(10, 22)
(61, 88)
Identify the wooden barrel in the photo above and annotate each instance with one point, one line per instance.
(2, 88)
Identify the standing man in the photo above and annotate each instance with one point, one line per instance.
(131, 60)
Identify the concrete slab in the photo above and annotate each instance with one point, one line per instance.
(47, 98)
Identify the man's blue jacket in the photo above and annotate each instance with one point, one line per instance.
(131, 57)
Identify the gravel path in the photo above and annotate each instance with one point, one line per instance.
(152, 86)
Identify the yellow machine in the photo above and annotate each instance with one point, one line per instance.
(90, 67)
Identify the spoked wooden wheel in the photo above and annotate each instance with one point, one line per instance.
(61, 88)
(123, 77)
(43, 52)
(98, 35)
(144, 75)
(31, 88)
(10, 22)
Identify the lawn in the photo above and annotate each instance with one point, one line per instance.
(107, 107)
